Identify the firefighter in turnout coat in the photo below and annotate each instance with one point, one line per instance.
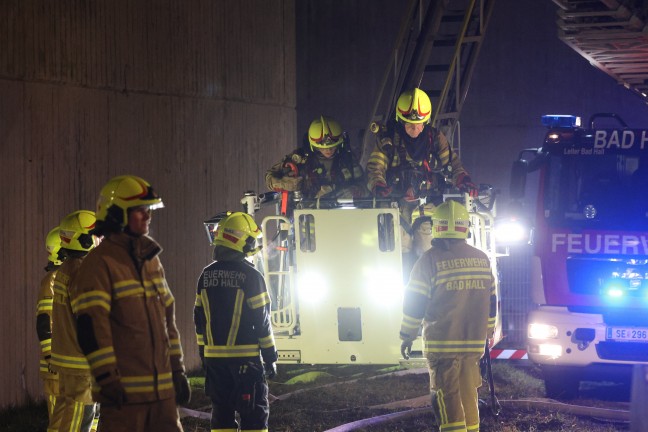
(452, 293)
(232, 318)
(325, 167)
(75, 382)
(412, 160)
(44, 330)
(126, 316)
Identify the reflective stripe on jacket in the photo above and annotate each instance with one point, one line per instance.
(122, 289)
(453, 292)
(44, 306)
(66, 353)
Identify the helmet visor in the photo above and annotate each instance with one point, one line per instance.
(211, 225)
(210, 228)
(327, 141)
(414, 115)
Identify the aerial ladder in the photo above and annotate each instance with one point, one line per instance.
(334, 266)
(612, 35)
(436, 50)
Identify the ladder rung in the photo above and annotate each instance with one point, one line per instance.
(453, 16)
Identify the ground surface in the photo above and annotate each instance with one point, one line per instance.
(319, 398)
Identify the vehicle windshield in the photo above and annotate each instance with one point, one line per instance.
(598, 192)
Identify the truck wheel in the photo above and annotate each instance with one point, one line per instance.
(561, 385)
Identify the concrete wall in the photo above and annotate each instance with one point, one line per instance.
(183, 94)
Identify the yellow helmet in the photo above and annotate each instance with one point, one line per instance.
(122, 193)
(450, 220)
(239, 232)
(53, 245)
(414, 106)
(75, 231)
(324, 133)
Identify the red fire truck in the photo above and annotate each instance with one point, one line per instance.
(590, 250)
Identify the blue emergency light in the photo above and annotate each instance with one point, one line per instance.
(560, 120)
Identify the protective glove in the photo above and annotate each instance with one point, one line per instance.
(289, 183)
(270, 369)
(114, 393)
(406, 349)
(465, 184)
(324, 190)
(382, 190)
(182, 388)
(409, 195)
(471, 189)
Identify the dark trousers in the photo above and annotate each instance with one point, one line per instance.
(237, 386)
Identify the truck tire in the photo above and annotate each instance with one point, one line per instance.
(560, 384)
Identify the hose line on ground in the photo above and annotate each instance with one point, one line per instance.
(528, 404)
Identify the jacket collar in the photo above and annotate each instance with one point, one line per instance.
(142, 248)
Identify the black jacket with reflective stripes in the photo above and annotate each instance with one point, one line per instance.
(232, 313)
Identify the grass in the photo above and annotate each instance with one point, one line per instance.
(317, 398)
(31, 417)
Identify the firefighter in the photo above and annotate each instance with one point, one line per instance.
(126, 316)
(324, 167)
(232, 317)
(451, 292)
(412, 160)
(75, 381)
(44, 330)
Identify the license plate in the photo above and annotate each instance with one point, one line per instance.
(633, 334)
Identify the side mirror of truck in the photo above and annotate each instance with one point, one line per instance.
(518, 179)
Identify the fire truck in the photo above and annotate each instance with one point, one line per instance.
(589, 272)
(335, 273)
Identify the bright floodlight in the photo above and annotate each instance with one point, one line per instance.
(511, 231)
(384, 285)
(312, 287)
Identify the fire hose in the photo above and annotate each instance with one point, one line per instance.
(528, 404)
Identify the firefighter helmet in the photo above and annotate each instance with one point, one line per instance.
(53, 245)
(450, 220)
(325, 133)
(75, 231)
(414, 106)
(239, 232)
(122, 193)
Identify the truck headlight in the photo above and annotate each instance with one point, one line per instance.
(550, 350)
(542, 331)
(512, 231)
